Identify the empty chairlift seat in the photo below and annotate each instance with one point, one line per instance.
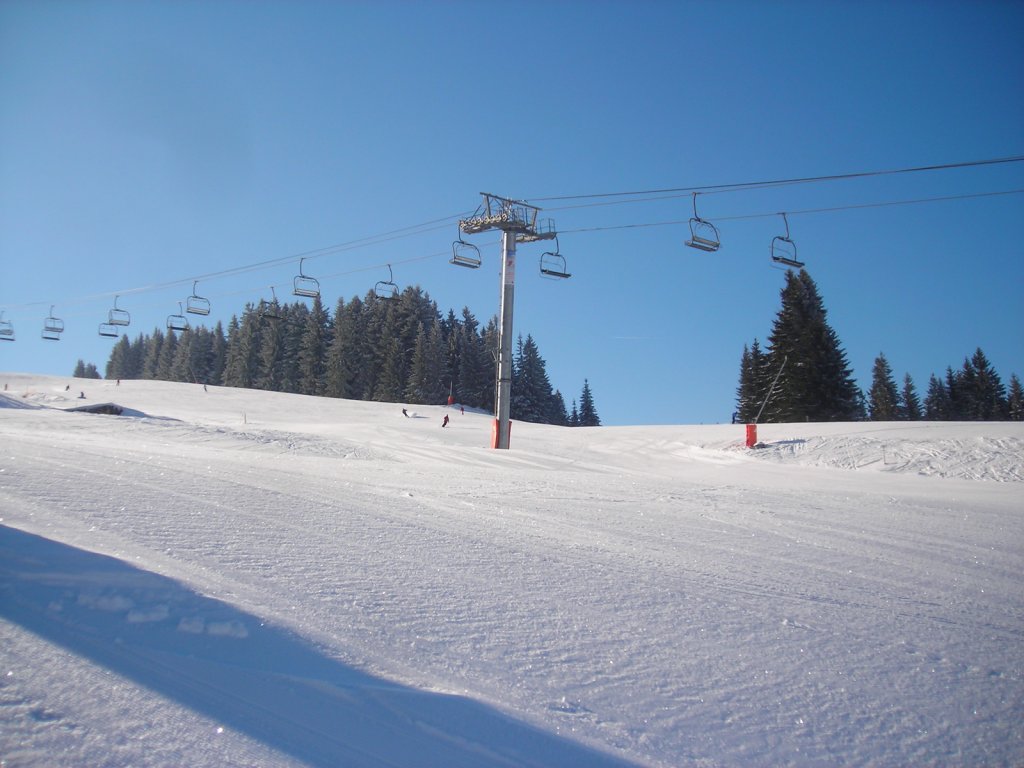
(118, 317)
(703, 234)
(386, 289)
(304, 285)
(552, 264)
(177, 322)
(53, 327)
(195, 304)
(465, 254)
(783, 249)
(6, 329)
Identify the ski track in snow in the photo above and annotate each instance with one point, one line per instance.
(244, 578)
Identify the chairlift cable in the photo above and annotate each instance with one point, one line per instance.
(803, 211)
(370, 240)
(784, 182)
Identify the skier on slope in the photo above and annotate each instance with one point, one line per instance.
(445, 422)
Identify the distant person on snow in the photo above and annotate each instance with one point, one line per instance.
(445, 422)
(405, 413)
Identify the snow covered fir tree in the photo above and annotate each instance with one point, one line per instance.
(400, 350)
(813, 382)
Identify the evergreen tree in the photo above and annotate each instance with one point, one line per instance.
(390, 384)
(910, 405)
(574, 416)
(983, 392)
(937, 405)
(137, 357)
(753, 387)
(426, 383)
(815, 382)
(437, 374)
(241, 364)
(313, 350)
(151, 355)
(271, 352)
(181, 363)
(346, 376)
(119, 366)
(378, 326)
(558, 413)
(532, 397)
(218, 355)
(489, 340)
(588, 412)
(165, 362)
(476, 369)
(1015, 400)
(957, 406)
(294, 317)
(883, 399)
(86, 371)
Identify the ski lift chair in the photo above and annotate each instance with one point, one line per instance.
(6, 329)
(109, 330)
(117, 316)
(465, 254)
(386, 289)
(703, 234)
(53, 327)
(195, 304)
(177, 322)
(270, 310)
(552, 264)
(304, 285)
(783, 250)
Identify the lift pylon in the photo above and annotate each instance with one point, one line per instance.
(518, 224)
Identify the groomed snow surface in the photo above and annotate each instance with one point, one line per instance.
(228, 577)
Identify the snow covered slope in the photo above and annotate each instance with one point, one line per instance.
(230, 577)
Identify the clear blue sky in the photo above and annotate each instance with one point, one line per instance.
(143, 145)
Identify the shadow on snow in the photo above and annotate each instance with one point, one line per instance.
(263, 681)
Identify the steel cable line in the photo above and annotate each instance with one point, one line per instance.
(833, 209)
(747, 185)
(395, 234)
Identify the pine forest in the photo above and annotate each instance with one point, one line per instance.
(803, 375)
(399, 350)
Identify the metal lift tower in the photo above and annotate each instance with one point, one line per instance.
(518, 224)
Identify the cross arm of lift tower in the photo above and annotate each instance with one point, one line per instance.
(496, 212)
(518, 223)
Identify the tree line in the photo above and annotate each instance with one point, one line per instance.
(804, 375)
(371, 348)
